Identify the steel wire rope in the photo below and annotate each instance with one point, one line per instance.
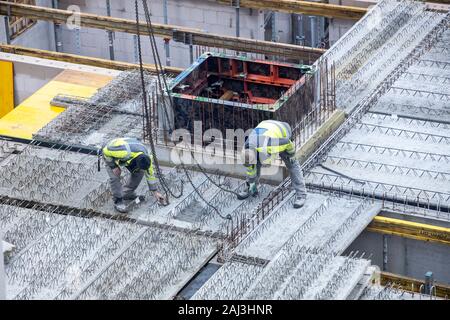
(163, 182)
(158, 67)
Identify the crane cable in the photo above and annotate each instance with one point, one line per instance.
(163, 182)
(158, 67)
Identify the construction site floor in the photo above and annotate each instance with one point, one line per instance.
(35, 112)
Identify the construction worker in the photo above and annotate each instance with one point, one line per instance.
(269, 139)
(133, 155)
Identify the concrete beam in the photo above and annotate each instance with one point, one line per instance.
(215, 164)
(322, 134)
(411, 230)
(176, 33)
(412, 284)
(303, 7)
(76, 59)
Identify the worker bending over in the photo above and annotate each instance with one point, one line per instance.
(269, 139)
(133, 155)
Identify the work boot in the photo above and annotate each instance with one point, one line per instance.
(119, 205)
(132, 197)
(243, 195)
(299, 202)
(250, 191)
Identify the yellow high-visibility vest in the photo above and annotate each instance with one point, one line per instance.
(275, 137)
(122, 151)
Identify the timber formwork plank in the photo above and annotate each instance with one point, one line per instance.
(413, 285)
(177, 33)
(77, 59)
(411, 230)
(303, 7)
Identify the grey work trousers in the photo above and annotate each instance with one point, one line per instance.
(298, 182)
(130, 186)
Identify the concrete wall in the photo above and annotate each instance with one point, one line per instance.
(40, 36)
(338, 27)
(283, 25)
(210, 17)
(407, 257)
(2, 30)
(201, 14)
(29, 77)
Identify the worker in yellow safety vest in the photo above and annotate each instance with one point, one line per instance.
(268, 140)
(133, 155)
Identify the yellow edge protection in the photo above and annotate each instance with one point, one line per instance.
(323, 133)
(408, 229)
(412, 284)
(6, 87)
(35, 112)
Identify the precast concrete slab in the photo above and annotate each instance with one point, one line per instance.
(69, 257)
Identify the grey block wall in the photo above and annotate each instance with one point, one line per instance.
(207, 16)
(210, 17)
(283, 27)
(2, 30)
(28, 78)
(338, 27)
(40, 36)
(407, 257)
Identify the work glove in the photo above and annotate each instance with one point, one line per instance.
(250, 191)
(117, 171)
(160, 198)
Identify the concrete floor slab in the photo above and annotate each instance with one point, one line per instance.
(64, 256)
